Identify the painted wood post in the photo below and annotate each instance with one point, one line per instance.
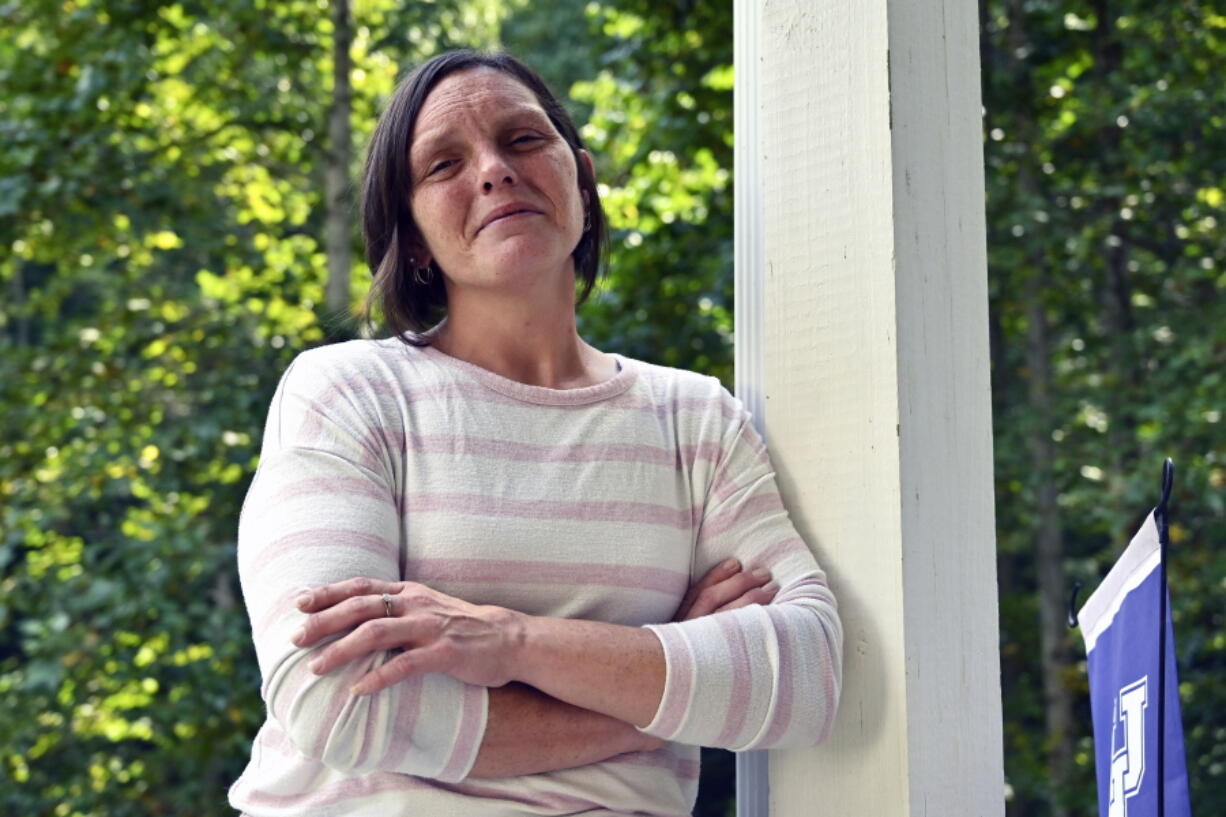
(862, 349)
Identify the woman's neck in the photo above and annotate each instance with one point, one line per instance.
(552, 356)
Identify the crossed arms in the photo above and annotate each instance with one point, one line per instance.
(571, 692)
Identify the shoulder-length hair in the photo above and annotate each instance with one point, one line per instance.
(388, 229)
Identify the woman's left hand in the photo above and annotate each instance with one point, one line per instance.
(439, 633)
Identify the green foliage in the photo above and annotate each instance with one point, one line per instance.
(661, 129)
(1103, 146)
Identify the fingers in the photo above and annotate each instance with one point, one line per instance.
(437, 657)
(729, 590)
(372, 636)
(719, 573)
(342, 616)
(758, 595)
(318, 598)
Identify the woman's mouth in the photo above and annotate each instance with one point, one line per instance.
(511, 216)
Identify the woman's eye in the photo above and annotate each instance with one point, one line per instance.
(438, 167)
(522, 138)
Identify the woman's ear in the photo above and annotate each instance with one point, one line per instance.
(586, 158)
(420, 256)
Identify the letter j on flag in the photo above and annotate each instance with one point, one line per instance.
(1120, 623)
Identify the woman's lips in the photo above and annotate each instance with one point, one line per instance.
(512, 216)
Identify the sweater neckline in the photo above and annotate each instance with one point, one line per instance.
(542, 395)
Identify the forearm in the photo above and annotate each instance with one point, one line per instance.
(528, 732)
(610, 669)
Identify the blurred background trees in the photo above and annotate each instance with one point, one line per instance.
(169, 202)
(1104, 145)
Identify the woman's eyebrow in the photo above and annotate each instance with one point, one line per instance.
(432, 140)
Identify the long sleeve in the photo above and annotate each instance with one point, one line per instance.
(762, 676)
(323, 507)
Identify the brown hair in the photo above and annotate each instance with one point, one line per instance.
(388, 230)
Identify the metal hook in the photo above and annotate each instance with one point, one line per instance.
(1160, 516)
(1072, 605)
(1168, 479)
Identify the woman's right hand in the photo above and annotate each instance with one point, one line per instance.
(726, 587)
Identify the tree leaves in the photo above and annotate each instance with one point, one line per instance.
(1110, 111)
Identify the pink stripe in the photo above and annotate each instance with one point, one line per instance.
(272, 737)
(739, 514)
(473, 446)
(509, 571)
(281, 606)
(832, 691)
(726, 487)
(339, 701)
(587, 511)
(342, 540)
(287, 692)
(467, 737)
(288, 707)
(754, 440)
(316, 419)
(681, 673)
(782, 715)
(408, 710)
(672, 406)
(691, 454)
(330, 486)
(311, 427)
(742, 678)
(393, 390)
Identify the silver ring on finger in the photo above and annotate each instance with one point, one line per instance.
(387, 603)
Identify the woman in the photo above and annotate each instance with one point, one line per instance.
(507, 573)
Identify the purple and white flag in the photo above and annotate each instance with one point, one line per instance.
(1120, 625)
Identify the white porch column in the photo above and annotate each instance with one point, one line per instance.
(862, 348)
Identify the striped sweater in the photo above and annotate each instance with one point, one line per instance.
(603, 503)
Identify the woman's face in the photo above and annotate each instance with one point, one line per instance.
(482, 141)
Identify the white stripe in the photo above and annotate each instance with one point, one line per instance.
(1138, 560)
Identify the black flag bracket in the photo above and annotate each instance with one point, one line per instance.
(1072, 604)
(1168, 480)
(1160, 519)
(1164, 541)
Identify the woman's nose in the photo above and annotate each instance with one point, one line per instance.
(505, 179)
(495, 169)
